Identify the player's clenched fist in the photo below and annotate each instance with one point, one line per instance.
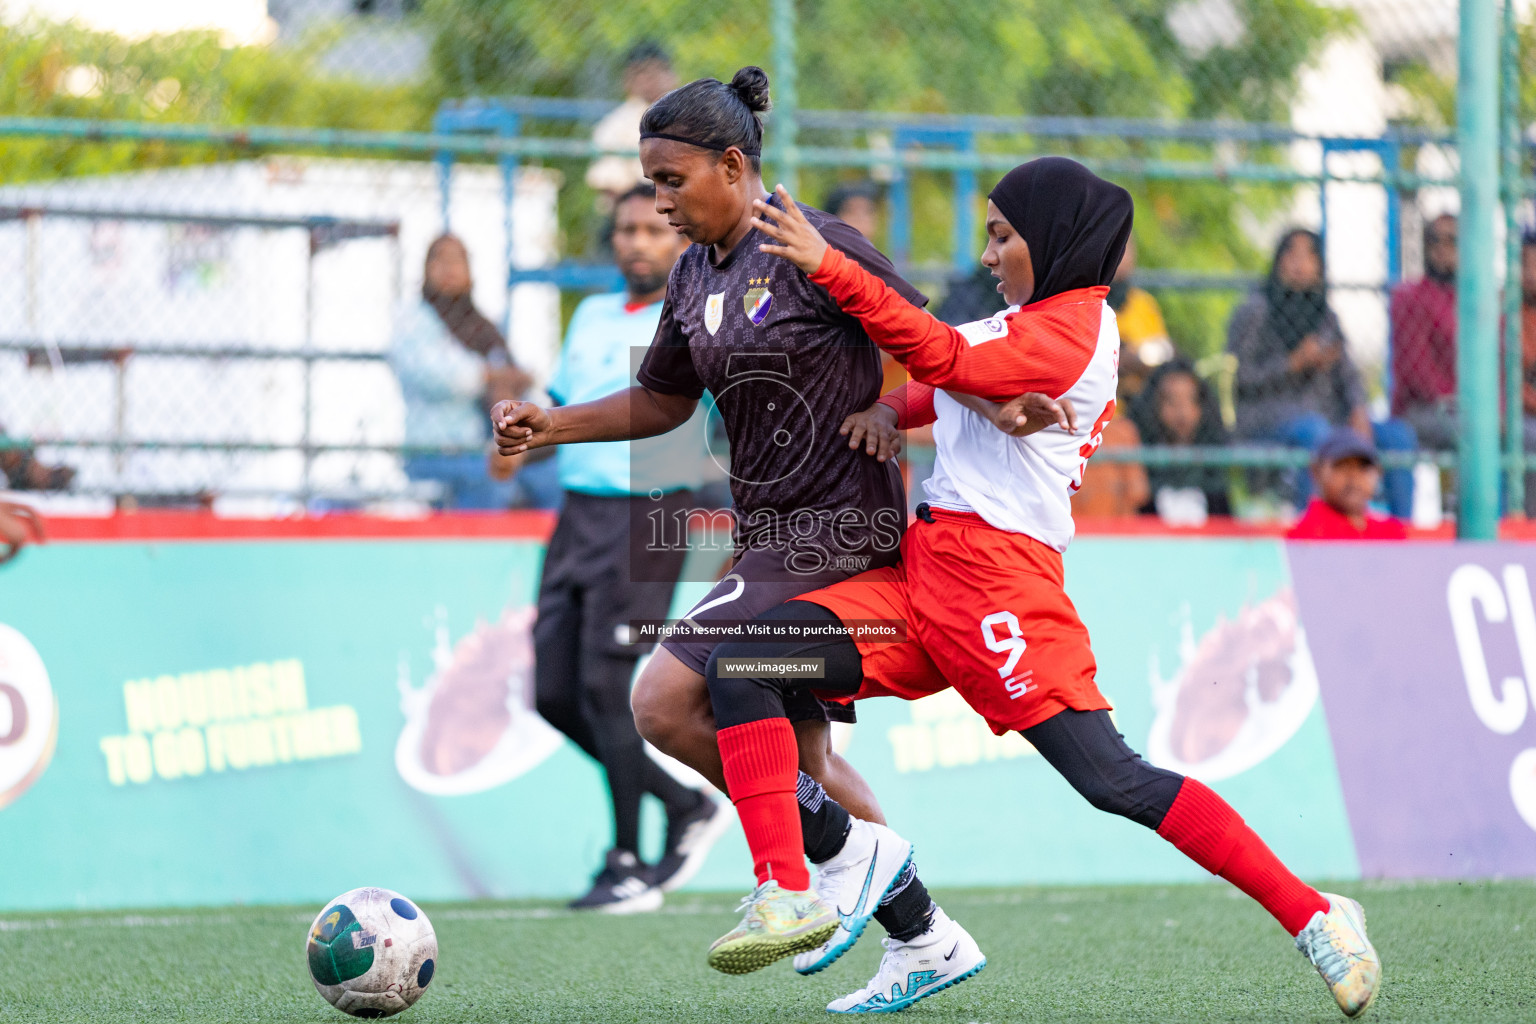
(520, 426)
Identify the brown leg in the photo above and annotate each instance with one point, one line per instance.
(672, 711)
(839, 778)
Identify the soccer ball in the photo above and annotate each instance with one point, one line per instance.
(371, 952)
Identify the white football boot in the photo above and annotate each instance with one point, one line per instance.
(853, 883)
(1336, 944)
(942, 956)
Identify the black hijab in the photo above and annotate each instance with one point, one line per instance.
(1295, 314)
(1074, 222)
(458, 313)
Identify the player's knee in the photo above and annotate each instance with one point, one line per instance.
(653, 720)
(1107, 794)
(739, 699)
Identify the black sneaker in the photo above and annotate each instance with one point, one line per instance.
(689, 839)
(621, 887)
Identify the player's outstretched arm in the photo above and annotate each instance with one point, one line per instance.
(932, 351)
(1025, 415)
(622, 416)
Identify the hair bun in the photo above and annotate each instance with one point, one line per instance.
(750, 84)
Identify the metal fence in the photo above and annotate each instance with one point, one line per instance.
(206, 311)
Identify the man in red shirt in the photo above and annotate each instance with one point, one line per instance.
(1346, 470)
(1424, 341)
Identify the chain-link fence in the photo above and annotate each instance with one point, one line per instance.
(216, 240)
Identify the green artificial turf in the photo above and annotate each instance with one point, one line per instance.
(1463, 952)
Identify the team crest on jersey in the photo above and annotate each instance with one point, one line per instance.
(978, 331)
(714, 311)
(757, 301)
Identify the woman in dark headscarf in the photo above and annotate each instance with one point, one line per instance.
(1295, 378)
(452, 364)
(1179, 408)
(979, 590)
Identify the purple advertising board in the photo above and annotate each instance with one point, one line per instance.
(1426, 661)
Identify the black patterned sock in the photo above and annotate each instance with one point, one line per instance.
(823, 822)
(907, 910)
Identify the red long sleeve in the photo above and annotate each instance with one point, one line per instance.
(913, 403)
(1044, 347)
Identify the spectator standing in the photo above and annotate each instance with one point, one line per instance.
(648, 76)
(452, 364)
(1295, 378)
(1424, 341)
(601, 570)
(1178, 409)
(1144, 341)
(1347, 471)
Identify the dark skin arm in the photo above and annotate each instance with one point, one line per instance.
(622, 416)
(875, 427)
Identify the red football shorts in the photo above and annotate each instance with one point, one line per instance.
(985, 612)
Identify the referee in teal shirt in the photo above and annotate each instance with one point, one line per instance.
(599, 572)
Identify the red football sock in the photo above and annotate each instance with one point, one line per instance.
(762, 764)
(1206, 829)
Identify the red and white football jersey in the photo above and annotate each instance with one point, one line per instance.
(1024, 484)
(1065, 346)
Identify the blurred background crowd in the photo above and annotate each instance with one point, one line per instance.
(273, 256)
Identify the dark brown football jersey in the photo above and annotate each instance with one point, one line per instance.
(786, 366)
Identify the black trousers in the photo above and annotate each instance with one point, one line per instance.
(594, 582)
(1084, 746)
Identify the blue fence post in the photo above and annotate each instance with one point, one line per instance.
(965, 209)
(900, 233)
(511, 126)
(444, 161)
(1391, 163)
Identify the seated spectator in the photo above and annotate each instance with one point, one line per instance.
(453, 364)
(1424, 342)
(857, 204)
(1346, 470)
(1113, 488)
(1295, 378)
(1144, 342)
(1178, 409)
(19, 525)
(648, 76)
(20, 470)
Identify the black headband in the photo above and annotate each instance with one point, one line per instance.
(754, 151)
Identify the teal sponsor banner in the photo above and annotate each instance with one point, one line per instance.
(222, 721)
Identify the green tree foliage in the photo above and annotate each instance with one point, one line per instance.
(63, 70)
(1094, 58)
